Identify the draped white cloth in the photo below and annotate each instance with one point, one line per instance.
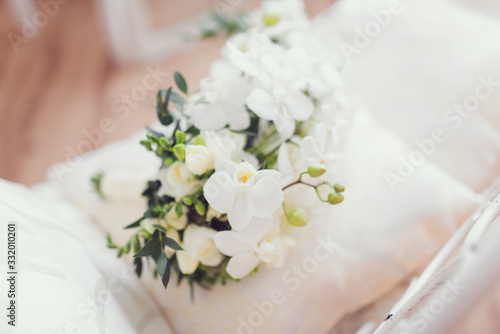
(67, 280)
(431, 55)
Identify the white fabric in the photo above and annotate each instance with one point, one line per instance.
(68, 282)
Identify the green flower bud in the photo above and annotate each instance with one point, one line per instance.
(180, 137)
(146, 144)
(180, 151)
(334, 198)
(168, 161)
(270, 20)
(297, 217)
(198, 141)
(316, 170)
(200, 208)
(187, 200)
(146, 234)
(164, 142)
(160, 150)
(338, 188)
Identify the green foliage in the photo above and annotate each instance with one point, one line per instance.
(181, 82)
(150, 248)
(221, 22)
(162, 99)
(171, 243)
(96, 182)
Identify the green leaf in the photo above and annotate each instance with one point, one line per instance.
(96, 182)
(138, 266)
(137, 223)
(149, 248)
(151, 213)
(161, 265)
(137, 244)
(110, 244)
(126, 248)
(193, 130)
(166, 275)
(178, 210)
(160, 228)
(154, 133)
(162, 108)
(181, 82)
(171, 243)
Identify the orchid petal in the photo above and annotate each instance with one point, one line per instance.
(242, 264)
(208, 117)
(298, 105)
(220, 191)
(241, 61)
(237, 119)
(265, 197)
(285, 126)
(239, 215)
(309, 149)
(229, 244)
(269, 173)
(255, 230)
(263, 104)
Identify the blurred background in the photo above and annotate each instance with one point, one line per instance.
(67, 65)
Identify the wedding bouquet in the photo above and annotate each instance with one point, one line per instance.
(245, 157)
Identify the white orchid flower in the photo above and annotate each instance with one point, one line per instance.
(219, 103)
(279, 95)
(282, 107)
(258, 242)
(198, 159)
(243, 192)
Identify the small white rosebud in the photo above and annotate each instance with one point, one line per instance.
(197, 159)
(179, 223)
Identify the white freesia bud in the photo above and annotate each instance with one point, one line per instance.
(148, 223)
(177, 181)
(176, 222)
(172, 234)
(199, 247)
(224, 144)
(198, 159)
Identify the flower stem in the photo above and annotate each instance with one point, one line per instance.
(284, 209)
(263, 141)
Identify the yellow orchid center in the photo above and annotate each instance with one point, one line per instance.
(243, 177)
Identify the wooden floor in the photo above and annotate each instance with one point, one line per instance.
(63, 82)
